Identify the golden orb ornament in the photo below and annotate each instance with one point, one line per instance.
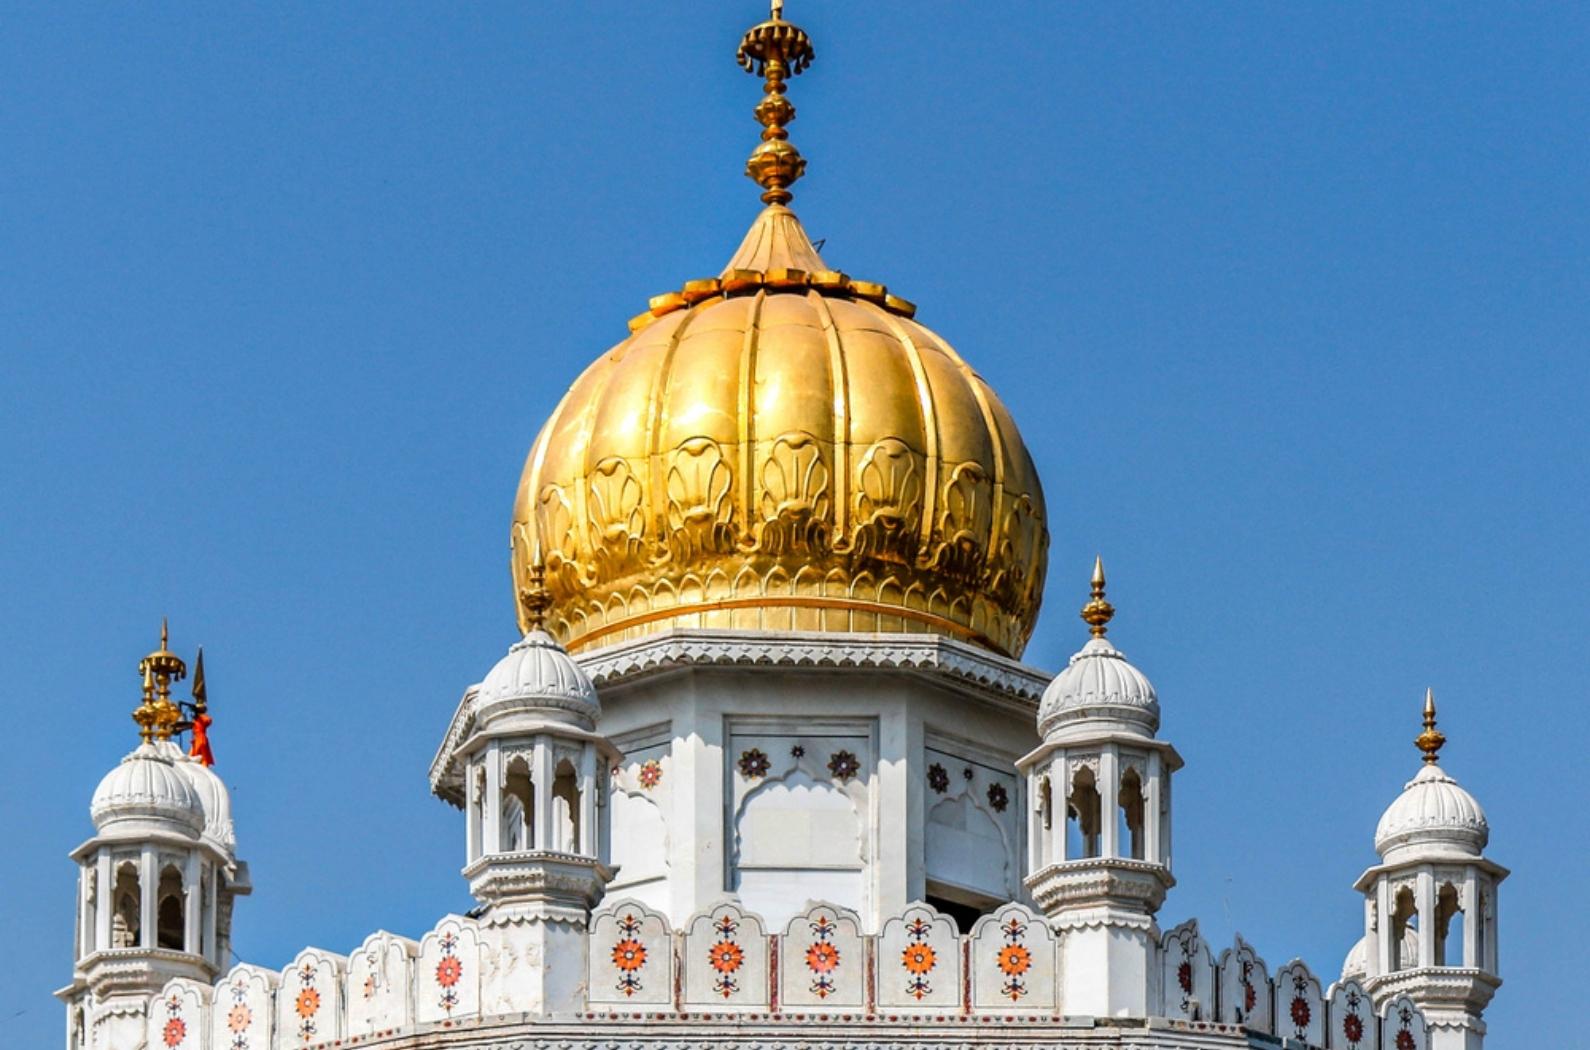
(780, 448)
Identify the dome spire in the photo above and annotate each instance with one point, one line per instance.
(535, 599)
(157, 716)
(1097, 612)
(775, 49)
(1431, 740)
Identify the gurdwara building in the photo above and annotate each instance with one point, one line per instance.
(766, 768)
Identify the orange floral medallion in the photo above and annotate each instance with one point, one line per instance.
(1014, 959)
(919, 958)
(822, 957)
(629, 954)
(725, 956)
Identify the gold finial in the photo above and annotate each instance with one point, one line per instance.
(145, 713)
(1431, 740)
(160, 668)
(1097, 612)
(535, 598)
(775, 49)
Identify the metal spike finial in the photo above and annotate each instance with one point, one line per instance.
(201, 699)
(1431, 740)
(536, 599)
(775, 49)
(1097, 612)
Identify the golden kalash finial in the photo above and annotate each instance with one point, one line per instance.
(144, 714)
(535, 598)
(157, 716)
(1097, 612)
(1431, 740)
(775, 49)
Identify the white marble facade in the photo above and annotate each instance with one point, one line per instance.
(869, 772)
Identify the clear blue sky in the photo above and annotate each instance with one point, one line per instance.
(1291, 302)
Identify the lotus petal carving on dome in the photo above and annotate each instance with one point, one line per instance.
(795, 499)
(964, 524)
(616, 518)
(699, 515)
(888, 503)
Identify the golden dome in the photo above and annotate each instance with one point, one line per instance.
(780, 448)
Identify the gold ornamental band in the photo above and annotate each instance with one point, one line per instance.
(790, 601)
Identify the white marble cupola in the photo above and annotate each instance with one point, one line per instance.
(1430, 904)
(158, 878)
(1099, 820)
(524, 761)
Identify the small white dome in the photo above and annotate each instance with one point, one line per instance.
(1356, 965)
(537, 674)
(212, 792)
(1099, 684)
(1433, 811)
(147, 787)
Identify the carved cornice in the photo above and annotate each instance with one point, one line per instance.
(1439, 990)
(936, 656)
(127, 971)
(817, 1031)
(562, 885)
(1100, 891)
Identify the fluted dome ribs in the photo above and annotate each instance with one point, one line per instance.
(792, 455)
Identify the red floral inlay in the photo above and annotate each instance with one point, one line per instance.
(725, 956)
(448, 971)
(919, 958)
(629, 954)
(175, 1031)
(650, 774)
(307, 1003)
(1300, 1011)
(843, 765)
(754, 763)
(1353, 1028)
(1184, 976)
(822, 957)
(238, 1018)
(1014, 959)
(1405, 1040)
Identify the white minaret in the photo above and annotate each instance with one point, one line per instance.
(1100, 822)
(523, 759)
(157, 880)
(1430, 914)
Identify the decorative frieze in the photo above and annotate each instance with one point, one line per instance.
(726, 976)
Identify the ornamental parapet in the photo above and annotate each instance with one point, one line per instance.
(727, 977)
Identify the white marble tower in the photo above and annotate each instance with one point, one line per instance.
(156, 881)
(1100, 822)
(1430, 904)
(523, 759)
